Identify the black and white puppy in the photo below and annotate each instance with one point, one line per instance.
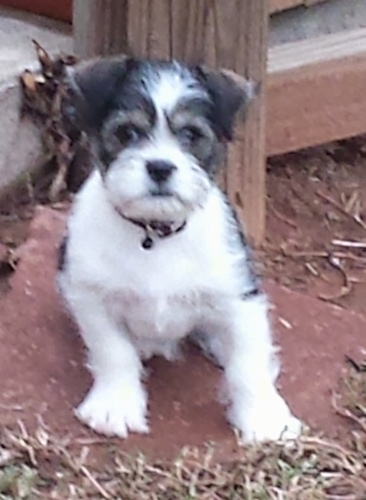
(154, 252)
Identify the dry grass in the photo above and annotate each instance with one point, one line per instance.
(312, 468)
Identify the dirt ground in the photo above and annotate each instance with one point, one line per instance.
(317, 286)
(316, 197)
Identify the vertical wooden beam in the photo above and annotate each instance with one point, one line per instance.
(99, 26)
(230, 34)
(246, 179)
(149, 28)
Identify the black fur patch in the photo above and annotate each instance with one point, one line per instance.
(62, 254)
(136, 112)
(192, 116)
(251, 293)
(227, 98)
(253, 277)
(95, 90)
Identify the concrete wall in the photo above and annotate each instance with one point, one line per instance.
(324, 18)
(19, 141)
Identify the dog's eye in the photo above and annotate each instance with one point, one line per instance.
(189, 135)
(128, 133)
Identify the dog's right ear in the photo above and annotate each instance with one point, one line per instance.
(231, 95)
(91, 90)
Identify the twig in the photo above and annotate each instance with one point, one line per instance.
(285, 323)
(332, 202)
(312, 269)
(324, 443)
(346, 287)
(282, 217)
(349, 244)
(343, 412)
(358, 368)
(305, 253)
(11, 407)
(89, 441)
(322, 254)
(343, 292)
(337, 205)
(350, 256)
(94, 482)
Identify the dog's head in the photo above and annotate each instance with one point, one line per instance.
(158, 130)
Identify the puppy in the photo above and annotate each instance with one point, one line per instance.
(154, 252)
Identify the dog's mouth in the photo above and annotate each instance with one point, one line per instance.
(161, 192)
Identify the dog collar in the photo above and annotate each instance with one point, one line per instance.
(155, 228)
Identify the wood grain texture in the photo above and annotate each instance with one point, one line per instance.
(149, 28)
(100, 27)
(245, 179)
(316, 91)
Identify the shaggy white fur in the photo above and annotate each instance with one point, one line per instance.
(132, 303)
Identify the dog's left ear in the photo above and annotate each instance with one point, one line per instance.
(230, 95)
(93, 87)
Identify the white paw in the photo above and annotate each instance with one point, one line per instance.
(114, 410)
(265, 419)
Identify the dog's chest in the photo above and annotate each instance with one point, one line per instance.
(148, 315)
(168, 293)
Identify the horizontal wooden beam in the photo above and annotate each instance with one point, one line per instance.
(316, 91)
(279, 5)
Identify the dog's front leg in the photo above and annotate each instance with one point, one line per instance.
(117, 401)
(248, 356)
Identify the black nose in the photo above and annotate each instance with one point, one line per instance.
(160, 170)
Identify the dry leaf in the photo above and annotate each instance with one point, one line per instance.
(28, 81)
(43, 57)
(66, 152)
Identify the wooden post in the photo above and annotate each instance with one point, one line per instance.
(100, 27)
(230, 34)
